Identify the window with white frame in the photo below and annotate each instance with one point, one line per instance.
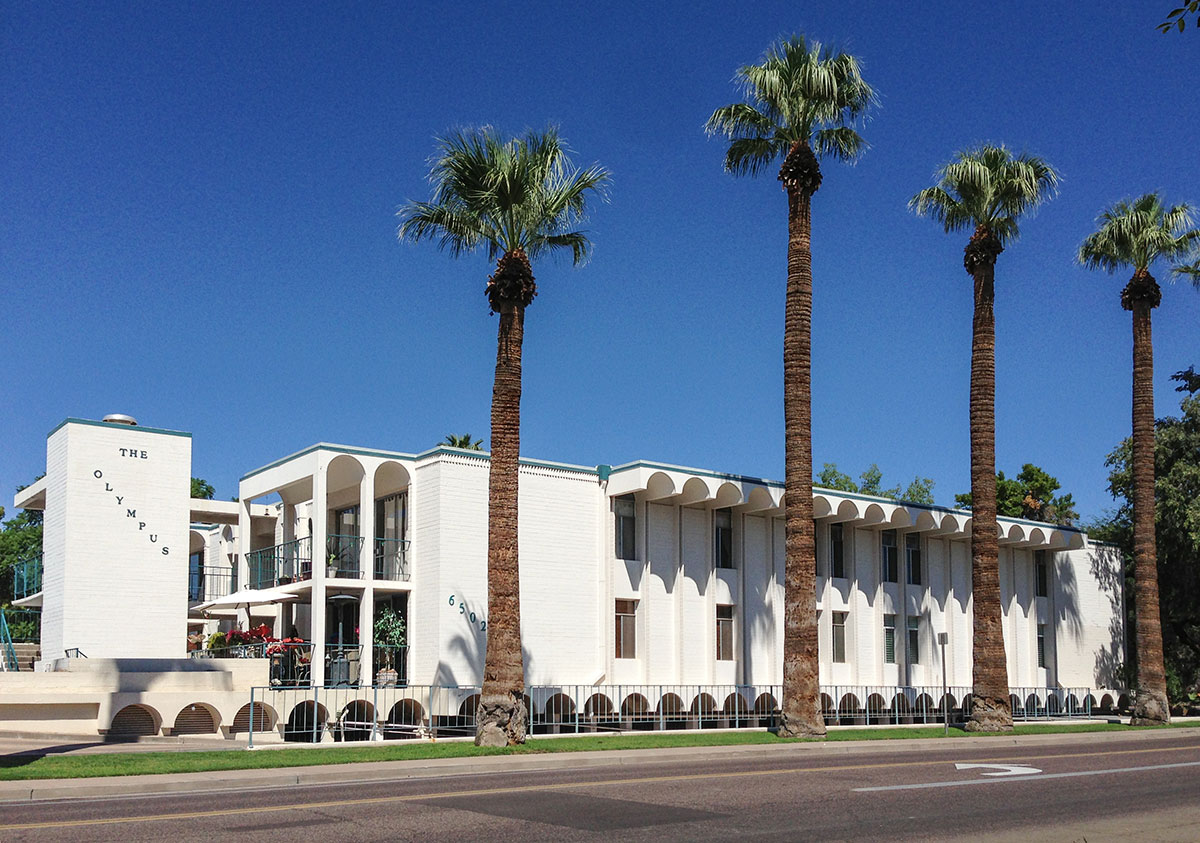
(724, 633)
(839, 637)
(1041, 644)
(914, 641)
(626, 629)
(624, 512)
(1040, 573)
(912, 557)
(837, 551)
(889, 639)
(890, 569)
(723, 538)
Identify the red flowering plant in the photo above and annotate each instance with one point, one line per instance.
(280, 645)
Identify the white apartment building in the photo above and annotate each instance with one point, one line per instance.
(638, 574)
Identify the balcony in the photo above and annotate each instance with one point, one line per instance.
(391, 560)
(342, 556)
(280, 564)
(27, 577)
(209, 583)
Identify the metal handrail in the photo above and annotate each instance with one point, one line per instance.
(8, 653)
(391, 559)
(282, 563)
(343, 554)
(27, 577)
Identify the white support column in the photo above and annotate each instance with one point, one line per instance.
(245, 531)
(366, 608)
(320, 519)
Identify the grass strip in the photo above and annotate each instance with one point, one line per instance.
(92, 765)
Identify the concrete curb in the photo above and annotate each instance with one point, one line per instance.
(380, 771)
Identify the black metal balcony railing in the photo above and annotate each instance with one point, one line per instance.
(209, 583)
(391, 665)
(27, 577)
(24, 625)
(342, 556)
(391, 560)
(280, 564)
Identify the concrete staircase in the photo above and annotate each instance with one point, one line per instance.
(27, 654)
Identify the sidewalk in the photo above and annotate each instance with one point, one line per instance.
(45, 789)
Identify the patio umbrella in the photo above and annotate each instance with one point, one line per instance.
(246, 598)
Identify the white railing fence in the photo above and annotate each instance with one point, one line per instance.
(379, 712)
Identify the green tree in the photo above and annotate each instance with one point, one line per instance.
(20, 539)
(1134, 234)
(986, 189)
(834, 480)
(1177, 19)
(870, 482)
(1177, 535)
(465, 442)
(920, 490)
(202, 490)
(1031, 494)
(800, 102)
(518, 199)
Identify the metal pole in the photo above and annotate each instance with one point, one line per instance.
(945, 709)
(251, 743)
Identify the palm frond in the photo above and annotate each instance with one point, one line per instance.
(987, 186)
(503, 194)
(1137, 232)
(801, 92)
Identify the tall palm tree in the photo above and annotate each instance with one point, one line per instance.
(986, 189)
(1133, 234)
(802, 101)
(519, 199)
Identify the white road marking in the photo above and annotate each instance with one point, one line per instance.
(1038, 777)
(1003, 769)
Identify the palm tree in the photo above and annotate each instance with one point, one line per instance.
(1133, 234)
(986, 189)
(465, 442)
(801, 102)
(519, 199)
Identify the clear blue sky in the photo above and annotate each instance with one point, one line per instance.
(198, 229)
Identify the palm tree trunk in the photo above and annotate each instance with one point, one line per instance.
(500, 719)
(801, 710)
(1150, 704)
(990, 707)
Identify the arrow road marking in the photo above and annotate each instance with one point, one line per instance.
(1038, 777)
(1002, 769)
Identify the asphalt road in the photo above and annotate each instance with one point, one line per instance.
(1079, 789)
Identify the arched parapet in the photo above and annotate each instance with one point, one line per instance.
(196, 718)
(196, 541)
(1037, 537)
(695, 490)
(660, 485)
(1059, 540)
(560, 708)
(925, 521)
(1010, 533)
(899, 517)
(136, 720)
(390, 478)
(704, 706)
(635, 707)
(263, 719)
(306, 722)
(875, 515)
(761, 499)
(735, 705)
(343, 472)
(599, 707)
(670, 706)
(728, 494)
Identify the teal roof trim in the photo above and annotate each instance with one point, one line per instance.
(114, 425)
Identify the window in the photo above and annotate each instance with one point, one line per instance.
(196, 576)
(837, 551)
(723, 538)
(839, 637)
(725, 633)
(889, 639)
(914, 641)
(626, 629)
(626, 520)
(912, 558)
(1041, 644)
(1040, 572)
(891, 565)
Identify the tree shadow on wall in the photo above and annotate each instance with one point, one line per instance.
(1107, 567)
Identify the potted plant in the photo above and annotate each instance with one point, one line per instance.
(331, 564)
(389, 637)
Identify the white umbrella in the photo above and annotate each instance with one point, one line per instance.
(246, 598)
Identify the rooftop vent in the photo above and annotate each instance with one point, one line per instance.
(121, 418)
